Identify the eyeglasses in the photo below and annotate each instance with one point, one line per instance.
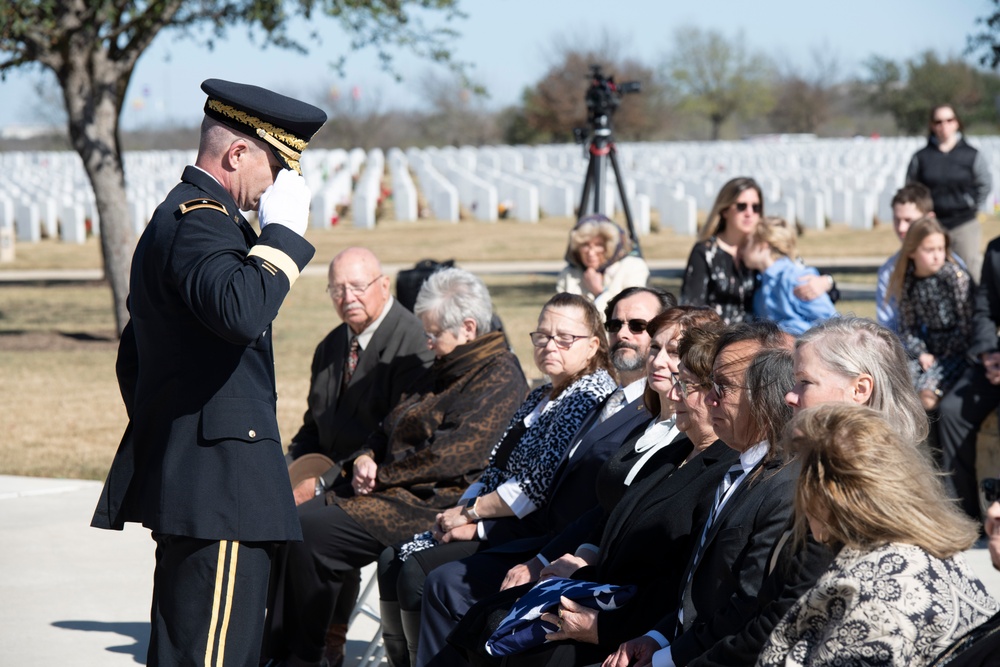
(340, 291)
(685, 387)
(991, 489)
(635, 326)
(720, 389)
(432, 338)
(942, 121)
(741, 206)
(563, 341)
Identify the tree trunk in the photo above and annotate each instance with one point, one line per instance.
(717, 120)
(94, 90)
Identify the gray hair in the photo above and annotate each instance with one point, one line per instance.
(452, 295)
(768, 378)
(851, 346)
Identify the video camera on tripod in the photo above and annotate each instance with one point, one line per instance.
(604, 95)
(602, 98)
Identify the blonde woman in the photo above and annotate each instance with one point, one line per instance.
(899, 591)
(598, 263)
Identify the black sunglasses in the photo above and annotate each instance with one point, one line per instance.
(991, 489)
(742, 206)
(635, 326)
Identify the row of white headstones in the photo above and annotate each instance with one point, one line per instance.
(815, 181)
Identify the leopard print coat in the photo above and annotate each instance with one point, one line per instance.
(436, 442)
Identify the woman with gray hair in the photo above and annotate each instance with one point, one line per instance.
(855, 360)
(427, 451)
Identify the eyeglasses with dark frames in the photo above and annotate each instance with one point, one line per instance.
(563, 341)
(741, 206)
(340, 291)
(635, 326)
(991, 489)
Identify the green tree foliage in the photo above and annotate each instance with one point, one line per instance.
(717, 77)
(909, 90)
(986, 42)
(92, 47)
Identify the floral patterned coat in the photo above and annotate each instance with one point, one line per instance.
(893, 605)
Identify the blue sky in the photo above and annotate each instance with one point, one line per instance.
(510, 44)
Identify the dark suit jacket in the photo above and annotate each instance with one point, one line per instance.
(734, 563)
(201, 456)
(797, 568)
(573, 488)
(396, 359)
(650, 537)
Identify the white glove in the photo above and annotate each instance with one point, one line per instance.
(286, 203)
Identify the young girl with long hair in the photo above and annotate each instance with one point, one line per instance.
(935, 309)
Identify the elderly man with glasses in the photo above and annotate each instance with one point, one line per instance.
(358, 374)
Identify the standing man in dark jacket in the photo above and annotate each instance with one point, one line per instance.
(200, 463)
(960, 181)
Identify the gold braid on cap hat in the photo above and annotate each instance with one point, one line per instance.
(275, 136)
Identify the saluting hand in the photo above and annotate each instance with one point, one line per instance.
(286, 203)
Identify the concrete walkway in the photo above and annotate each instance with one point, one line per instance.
(75, 595)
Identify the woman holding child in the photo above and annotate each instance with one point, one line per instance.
(717, 273)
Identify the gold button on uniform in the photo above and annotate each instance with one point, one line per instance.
(252, 433)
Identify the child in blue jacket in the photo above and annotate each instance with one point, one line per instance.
(770, 250)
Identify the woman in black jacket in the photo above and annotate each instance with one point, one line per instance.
(960, 181)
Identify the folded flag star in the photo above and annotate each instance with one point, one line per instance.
(523, 627)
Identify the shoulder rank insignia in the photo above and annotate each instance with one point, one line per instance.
(196, 204)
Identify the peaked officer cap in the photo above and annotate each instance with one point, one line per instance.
(285, 124)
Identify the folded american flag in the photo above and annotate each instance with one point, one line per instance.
(523, 628)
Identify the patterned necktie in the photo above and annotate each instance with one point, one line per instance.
(733, 474)
(352, 360)
(613, 404)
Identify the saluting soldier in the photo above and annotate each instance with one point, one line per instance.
(200, 463)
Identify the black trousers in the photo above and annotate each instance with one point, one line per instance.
(960, 414)
(308, 578)
(208, 601)
(449, 592)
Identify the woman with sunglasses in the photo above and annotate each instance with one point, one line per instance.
(716, 275)
(959, 179)
(571, 349)
(598, 263)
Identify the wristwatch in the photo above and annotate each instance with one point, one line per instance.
(470, 508)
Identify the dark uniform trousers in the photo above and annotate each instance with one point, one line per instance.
(208, 601)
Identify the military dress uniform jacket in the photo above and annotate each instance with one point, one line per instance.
(201, 456)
